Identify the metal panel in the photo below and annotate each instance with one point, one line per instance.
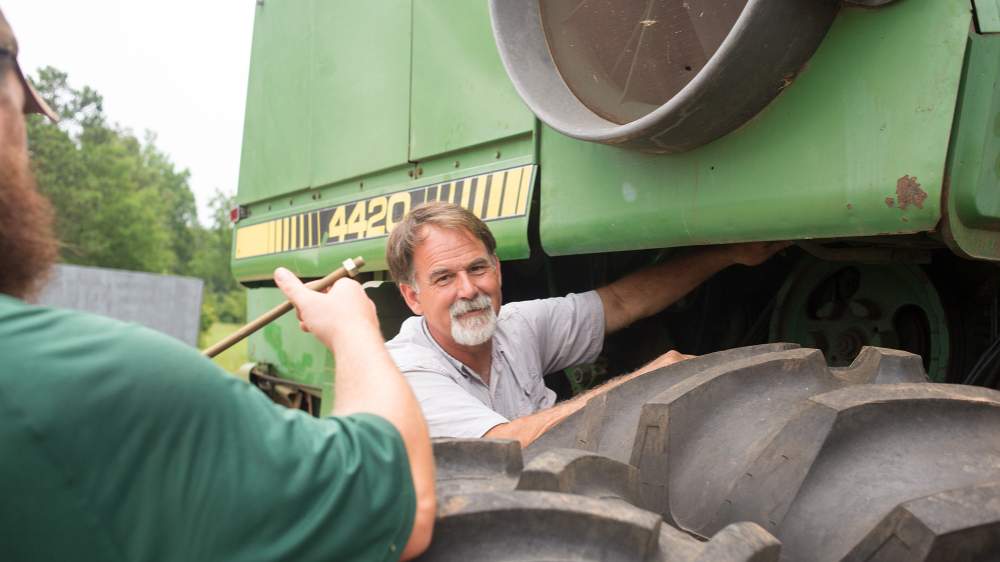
(328, 97)
(361, 88)
(276, 155)
(987, 15)
(298, 355)
(854, 146)
(973, 215)
(165, 303)
(461, 94)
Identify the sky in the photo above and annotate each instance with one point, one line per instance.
(177, 68)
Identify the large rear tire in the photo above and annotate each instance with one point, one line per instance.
(565, 505)
(864, 463)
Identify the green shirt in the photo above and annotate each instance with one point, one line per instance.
(119, 443)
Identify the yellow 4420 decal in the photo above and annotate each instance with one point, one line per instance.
(497, 195)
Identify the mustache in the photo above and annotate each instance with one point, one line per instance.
(462, 306)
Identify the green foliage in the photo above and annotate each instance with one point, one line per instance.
(208, 317)
(210, 261)
(231, 306)
(120, 203)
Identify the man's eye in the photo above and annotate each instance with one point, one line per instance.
(478, 269)
(442, 280)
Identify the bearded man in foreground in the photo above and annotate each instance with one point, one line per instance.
(120, 443)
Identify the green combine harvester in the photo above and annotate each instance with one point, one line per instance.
(597, 137)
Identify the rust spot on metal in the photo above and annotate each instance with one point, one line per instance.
(889, 201)
(908, 192)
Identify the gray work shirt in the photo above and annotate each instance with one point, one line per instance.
(532, 338)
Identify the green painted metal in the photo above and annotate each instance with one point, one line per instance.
(511, 234)
(328, 97)
(873, 106)
(275, 152)
(973, 213)
(461, 95)
(297, 355)
(839, 307)
(330, 117)
(987, 15)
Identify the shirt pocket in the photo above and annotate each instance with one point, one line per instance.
(531, 391)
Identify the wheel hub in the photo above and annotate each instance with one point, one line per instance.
(842, 307)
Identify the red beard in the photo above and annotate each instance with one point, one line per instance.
(27, 244)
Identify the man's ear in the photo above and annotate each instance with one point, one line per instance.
(410, 296)
(496, 264)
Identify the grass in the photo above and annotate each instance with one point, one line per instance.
(231, 359)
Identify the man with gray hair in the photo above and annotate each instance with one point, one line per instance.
(476, 367)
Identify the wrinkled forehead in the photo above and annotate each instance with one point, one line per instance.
(452, 248)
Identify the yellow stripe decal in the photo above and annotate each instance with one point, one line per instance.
(510, 189)
(480, 194)
(496, 190)
(522, 196)
(503, 194)
(466, 191)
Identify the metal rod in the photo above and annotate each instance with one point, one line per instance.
(351, 268)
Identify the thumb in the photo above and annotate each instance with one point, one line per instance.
(289, 284)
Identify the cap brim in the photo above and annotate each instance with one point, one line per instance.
(33, 102)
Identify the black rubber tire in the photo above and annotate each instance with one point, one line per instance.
(864, 463)
(565, 505)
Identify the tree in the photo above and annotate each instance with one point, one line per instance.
(211, 262)
(119, 201)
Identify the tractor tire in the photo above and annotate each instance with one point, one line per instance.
(868, 462)
(565, 505)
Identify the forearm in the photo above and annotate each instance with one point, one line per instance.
(368, 381)
(648, 291)
(529, 428)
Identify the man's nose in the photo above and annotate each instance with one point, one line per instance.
(466, 289)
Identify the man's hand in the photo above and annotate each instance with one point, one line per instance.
(753, 253)
(345, 306)
(668, 358)
(529, 428)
